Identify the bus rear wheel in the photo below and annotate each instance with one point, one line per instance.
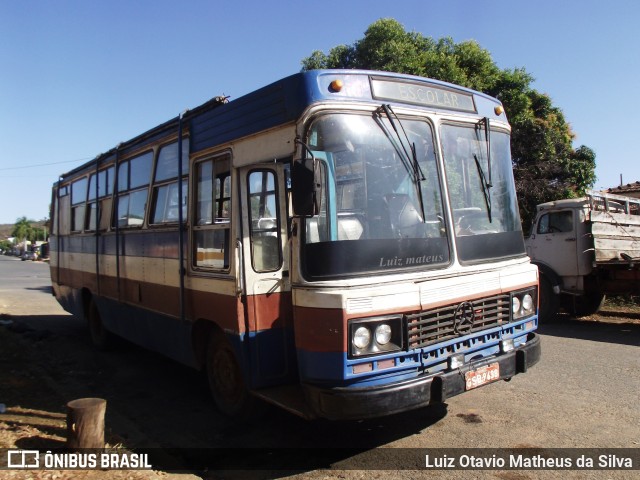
(225, 379)
(101, 338)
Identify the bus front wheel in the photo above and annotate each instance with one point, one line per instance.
(225, 378)
(101, 338)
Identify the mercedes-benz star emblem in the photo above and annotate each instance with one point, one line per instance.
(463, 318)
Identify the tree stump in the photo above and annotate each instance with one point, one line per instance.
(85, 423)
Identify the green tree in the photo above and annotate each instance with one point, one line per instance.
(23, 230)
(546, 166)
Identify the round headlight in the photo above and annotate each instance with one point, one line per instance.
(383, 334)
(515, 305)
(527, 303)
(362, 337)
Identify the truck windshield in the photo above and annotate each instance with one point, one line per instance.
(485, 213)
(376, 214)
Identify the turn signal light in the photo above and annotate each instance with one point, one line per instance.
(336, 85)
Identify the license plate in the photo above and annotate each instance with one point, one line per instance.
(482, 376)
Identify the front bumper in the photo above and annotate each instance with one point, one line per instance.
(358, 403)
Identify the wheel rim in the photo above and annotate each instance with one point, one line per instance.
(225, 378)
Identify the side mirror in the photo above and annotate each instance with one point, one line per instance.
(305, 187)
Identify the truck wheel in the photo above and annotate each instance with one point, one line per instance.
(549, 302)
(101, 338)
(588, 304)
(225, 379)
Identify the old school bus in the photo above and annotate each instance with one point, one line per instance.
(344, 244)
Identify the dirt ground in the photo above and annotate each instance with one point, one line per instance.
(34, 416)
(46, 360)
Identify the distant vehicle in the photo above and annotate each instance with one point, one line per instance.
(29, 256)
(44, 251)
(585, 248)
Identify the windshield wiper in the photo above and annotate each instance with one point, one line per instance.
(486, 183)
(410, 161)
(413, 166)
(485, 186)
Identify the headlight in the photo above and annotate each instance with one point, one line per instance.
(362, 338)
(370, 336)
(527, 303)
(515, 305)
(383, 334)
(523, 304)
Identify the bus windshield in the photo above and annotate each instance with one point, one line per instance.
(382, 206)
(482, 193)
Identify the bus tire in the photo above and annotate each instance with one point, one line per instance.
(101, 338)
(225, 379)
(549, 302)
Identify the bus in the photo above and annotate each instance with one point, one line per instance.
(344, 244)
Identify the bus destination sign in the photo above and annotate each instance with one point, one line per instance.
(422, 94)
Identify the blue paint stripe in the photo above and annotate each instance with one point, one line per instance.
(336, 369)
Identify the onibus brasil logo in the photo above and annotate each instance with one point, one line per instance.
(34, 459)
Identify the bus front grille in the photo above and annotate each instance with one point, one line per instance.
(441, 324)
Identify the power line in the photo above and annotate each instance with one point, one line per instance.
(46, 164)
(6, 177)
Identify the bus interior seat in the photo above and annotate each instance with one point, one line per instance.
(349, 227)
(403, 214)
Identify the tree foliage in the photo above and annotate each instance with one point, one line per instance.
(546, 166)
(24, 230)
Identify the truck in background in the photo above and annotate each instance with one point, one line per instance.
(585, 248)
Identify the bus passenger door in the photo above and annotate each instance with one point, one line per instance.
(266, 274)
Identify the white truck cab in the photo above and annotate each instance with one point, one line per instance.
(585, 248)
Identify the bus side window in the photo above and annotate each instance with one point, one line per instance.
(78, 199)
(264, 223)
(61, 224)
(166, 201)
(133, 182)
(212, 224)
(100, 190)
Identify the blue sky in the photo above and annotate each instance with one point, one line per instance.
(77, 76)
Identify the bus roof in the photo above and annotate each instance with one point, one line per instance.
(217, 121)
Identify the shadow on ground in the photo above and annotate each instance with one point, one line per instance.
(621, 332)
(154, 403)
